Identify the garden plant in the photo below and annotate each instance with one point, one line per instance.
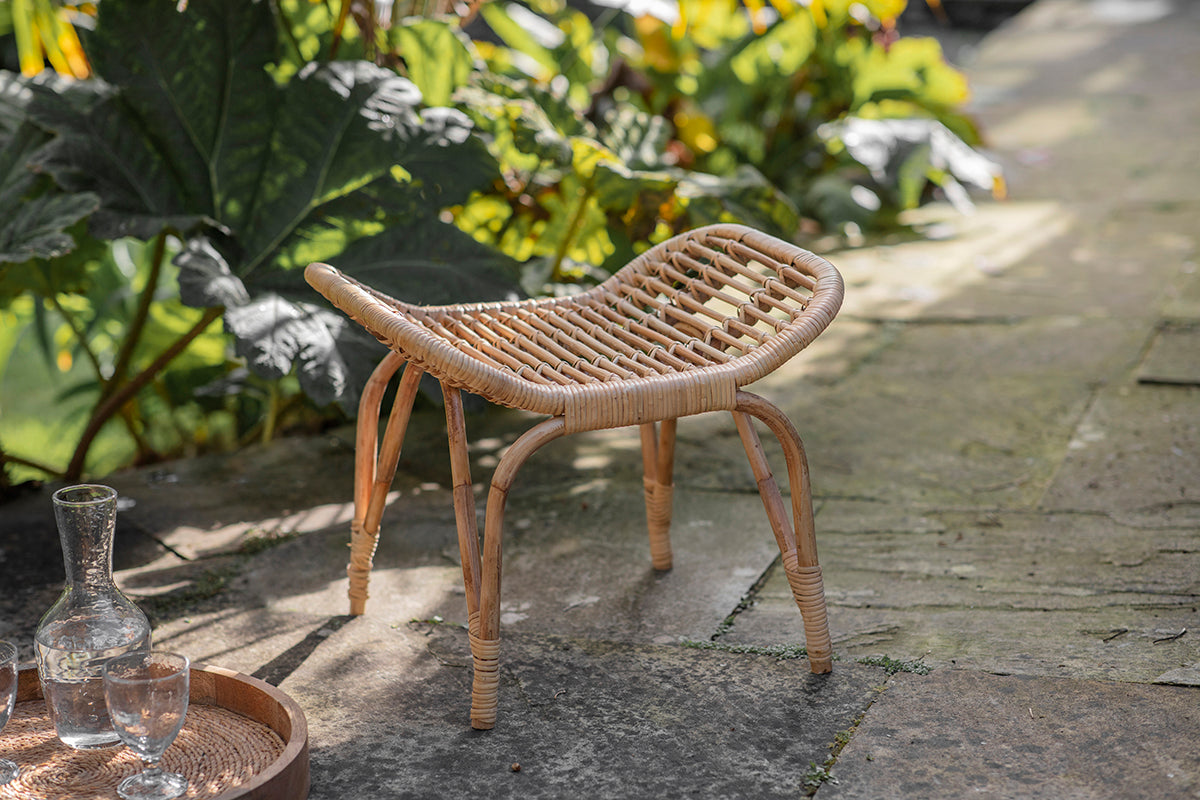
(163, 186)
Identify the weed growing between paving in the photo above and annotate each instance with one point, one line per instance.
(781, 652)
(893, 665)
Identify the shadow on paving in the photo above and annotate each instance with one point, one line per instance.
(583, 719)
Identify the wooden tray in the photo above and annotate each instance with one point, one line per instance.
(244, 739)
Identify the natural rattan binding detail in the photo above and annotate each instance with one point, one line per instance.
(676, 332)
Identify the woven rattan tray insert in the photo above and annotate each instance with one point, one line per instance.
(239, 741)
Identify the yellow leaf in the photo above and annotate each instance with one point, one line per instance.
(72, 50)
(817, 9)
(757, 20)
(786, 8)
(999, 187)
(696, 131)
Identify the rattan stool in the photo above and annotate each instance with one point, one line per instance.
(678, 331)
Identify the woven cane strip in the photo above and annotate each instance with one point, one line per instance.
(666, 330)
(603, 332)
(553, 353)
(218, 750)
(589, 326)
(712, 282)
(701, 346)
(795, 276)
(501, 338)
(466, 341)
(574, 345)
(633, 351)
(362, 555)
(726, 286)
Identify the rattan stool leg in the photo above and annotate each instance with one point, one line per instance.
(798, 546)
(373, 476)
(485, 644)
(658, 464)
(464, 502)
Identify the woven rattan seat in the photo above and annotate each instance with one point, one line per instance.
(676, 332)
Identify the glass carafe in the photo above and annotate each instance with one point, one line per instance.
(90, 622)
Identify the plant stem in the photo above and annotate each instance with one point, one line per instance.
(9, 458)
(133, 333)
(572, 230)
(110, 404)
(268, 431)
(79, 333)
(338, 28)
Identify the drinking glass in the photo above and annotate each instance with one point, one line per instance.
(8, 697)
(147, 698)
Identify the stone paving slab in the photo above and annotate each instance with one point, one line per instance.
(582, 718)
(1173, 357)
(1137, 450)
(1067, 595)
(964, 734)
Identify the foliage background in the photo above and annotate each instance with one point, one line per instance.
(158, 205)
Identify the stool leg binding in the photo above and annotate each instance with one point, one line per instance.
(658, 464)
(797, 546)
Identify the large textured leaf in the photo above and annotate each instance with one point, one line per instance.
(34, 217)
(525, 32)
(781, 51)
(908, 153)
(446, 160)
(101, 147)
(38, 228)
(339, 127)
(430, 262)
(638, 139)
(198, 80)
(333, 355)
(745, 196)
(281, 326)
(186, 130)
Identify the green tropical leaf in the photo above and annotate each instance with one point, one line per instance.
(619, 188)
(779, 52)
(451, 266)
(745, 196)
(437, 58)
(200, 77)
(38, 228)
(277, 332)
(101, 147)
(638, 139)
(525, 32)
(35, 219)
(339, 127)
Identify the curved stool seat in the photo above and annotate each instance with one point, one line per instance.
(678, 331)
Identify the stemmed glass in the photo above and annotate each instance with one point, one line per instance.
(147, 697)
(8, 697)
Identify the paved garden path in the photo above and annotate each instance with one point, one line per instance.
(1003, 426)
